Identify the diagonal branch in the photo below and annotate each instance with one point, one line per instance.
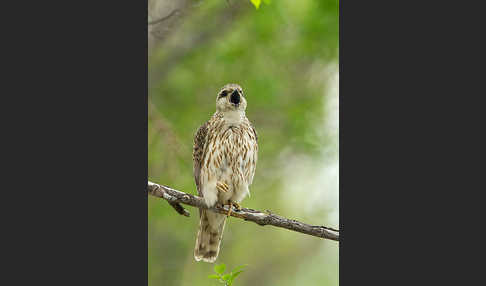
(175, 198)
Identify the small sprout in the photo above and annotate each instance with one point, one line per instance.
(220, 268)
(227, 278)
(236, 274)
(239, 267)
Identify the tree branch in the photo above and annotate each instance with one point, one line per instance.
(164, 18)
(175, 198)
(223, 19)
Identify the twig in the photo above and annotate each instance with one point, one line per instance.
(175, 198)
(224, 18)
(164, 18)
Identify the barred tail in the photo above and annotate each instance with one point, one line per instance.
(209, 235)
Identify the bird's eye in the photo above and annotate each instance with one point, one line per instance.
(223, 93)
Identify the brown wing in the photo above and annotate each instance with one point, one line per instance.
(254, 132)
(198, 154)
(255, 156)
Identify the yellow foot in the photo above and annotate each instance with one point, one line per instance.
(232, 204)
(236, 205)
(222, 187)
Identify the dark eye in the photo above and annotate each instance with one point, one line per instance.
(223, 93)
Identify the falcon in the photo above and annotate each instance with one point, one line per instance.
(225, 157)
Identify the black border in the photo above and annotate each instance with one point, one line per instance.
(76, 144)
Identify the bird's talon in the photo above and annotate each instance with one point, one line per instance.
(232, 204)
(222, 187)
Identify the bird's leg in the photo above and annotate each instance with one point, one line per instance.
(230, 207)
(229, 210)
(222, 186)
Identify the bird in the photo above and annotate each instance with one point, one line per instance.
(225, 155)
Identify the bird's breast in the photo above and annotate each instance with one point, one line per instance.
(235, 148)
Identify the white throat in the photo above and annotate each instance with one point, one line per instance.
(234, 117)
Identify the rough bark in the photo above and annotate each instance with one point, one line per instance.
(176, 198)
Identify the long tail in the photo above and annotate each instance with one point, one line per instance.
(209, 235)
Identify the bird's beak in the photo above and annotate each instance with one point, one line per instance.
(235, 98)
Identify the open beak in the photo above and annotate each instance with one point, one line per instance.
(235, 98)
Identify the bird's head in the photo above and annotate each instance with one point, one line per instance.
(231, 98)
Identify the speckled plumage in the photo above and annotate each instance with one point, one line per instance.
(225, 150)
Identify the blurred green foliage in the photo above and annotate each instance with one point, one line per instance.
(283, 55)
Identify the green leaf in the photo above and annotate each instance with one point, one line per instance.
(233, 276)
(213, 276)
(256, 3)
(267, 2)
(239, 267)
(220, 268)
(226, 277)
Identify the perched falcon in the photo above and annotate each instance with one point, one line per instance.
(225, 157)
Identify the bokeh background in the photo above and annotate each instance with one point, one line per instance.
(285, 56)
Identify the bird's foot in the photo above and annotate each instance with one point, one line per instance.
(237, 206)
(232, 204)
(222, 187)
